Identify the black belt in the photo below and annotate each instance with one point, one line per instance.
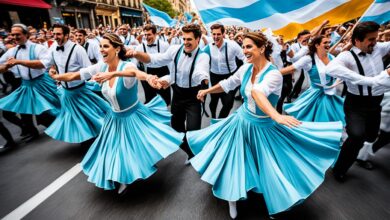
(186, 93)
(363, 101)
(76, 87)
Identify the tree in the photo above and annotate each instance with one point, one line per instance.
(162, 5)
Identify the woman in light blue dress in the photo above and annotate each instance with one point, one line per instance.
(319, 103)
(256, 148)
(134, 136)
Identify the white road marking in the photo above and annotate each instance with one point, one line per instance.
(40, 197)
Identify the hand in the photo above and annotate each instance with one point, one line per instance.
(287, 120)
(201, 95)
(53, 73)
(153, 81)
(325, 22)
(130, 53)
(163, 83)
(102, 77)
(12, 62)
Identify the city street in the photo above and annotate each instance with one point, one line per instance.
(175, 191)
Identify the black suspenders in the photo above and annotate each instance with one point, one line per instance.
(361, 72)
(226, 56)
(67, 64)
(192, 65)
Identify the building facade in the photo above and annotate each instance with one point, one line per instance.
(76, 13)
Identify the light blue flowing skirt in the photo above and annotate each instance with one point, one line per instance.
(314, 105)
(33, 97)
(94, 86)
(243, 153)
(130, 144)
(81, 117)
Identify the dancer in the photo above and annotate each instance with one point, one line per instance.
(191, 72)
(319, 103)
(362, 70)
(256, 148)
(37, 92)
(82, 111)
(223, 55)
(154, 46)
(134, 136)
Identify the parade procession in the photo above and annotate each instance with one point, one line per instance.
(195, 109)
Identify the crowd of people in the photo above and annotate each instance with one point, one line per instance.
(319, 100)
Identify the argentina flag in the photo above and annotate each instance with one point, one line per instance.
(283, 17)
(159, 18)
(379, 12)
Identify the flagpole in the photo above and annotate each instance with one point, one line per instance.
(349, 30)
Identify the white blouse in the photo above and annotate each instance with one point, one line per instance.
(109, 92)
(272, 83)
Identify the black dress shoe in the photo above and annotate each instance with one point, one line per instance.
(8, 145)
(366, 164)
(30, 138)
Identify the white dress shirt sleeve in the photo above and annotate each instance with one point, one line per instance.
(302, 52)
(238, 51)
(48, 59)
(129, 81)
(338, 68)
(6, 55)
(304, 63)
(235, 80)
(272, 83)
(163, 59)
(87, 72)
(201, 70)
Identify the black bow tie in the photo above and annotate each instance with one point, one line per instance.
(187, 54)
(60, 48)
(151, 45)
(362, 54)
(22, 46)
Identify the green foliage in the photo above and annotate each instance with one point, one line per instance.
(162, 5)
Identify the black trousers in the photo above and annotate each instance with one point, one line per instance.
(10, 79)
(286, 90)
(227, 99)
(5, 133)
(363, 117)
(150, 92)
(383, 140)
(186, 113)
(297, 86)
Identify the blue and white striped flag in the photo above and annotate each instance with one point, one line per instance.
(158, 17)
(283, 17)
(379, 12)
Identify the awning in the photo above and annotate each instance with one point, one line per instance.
(26, 3)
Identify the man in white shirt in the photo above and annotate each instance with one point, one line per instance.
(153, 46)
(91, 46)
(362, 70)
(223, 55)
(24, 61)
(127, 39)
(190, 74)
(296, 51)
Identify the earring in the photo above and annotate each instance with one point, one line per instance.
(116, 53)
